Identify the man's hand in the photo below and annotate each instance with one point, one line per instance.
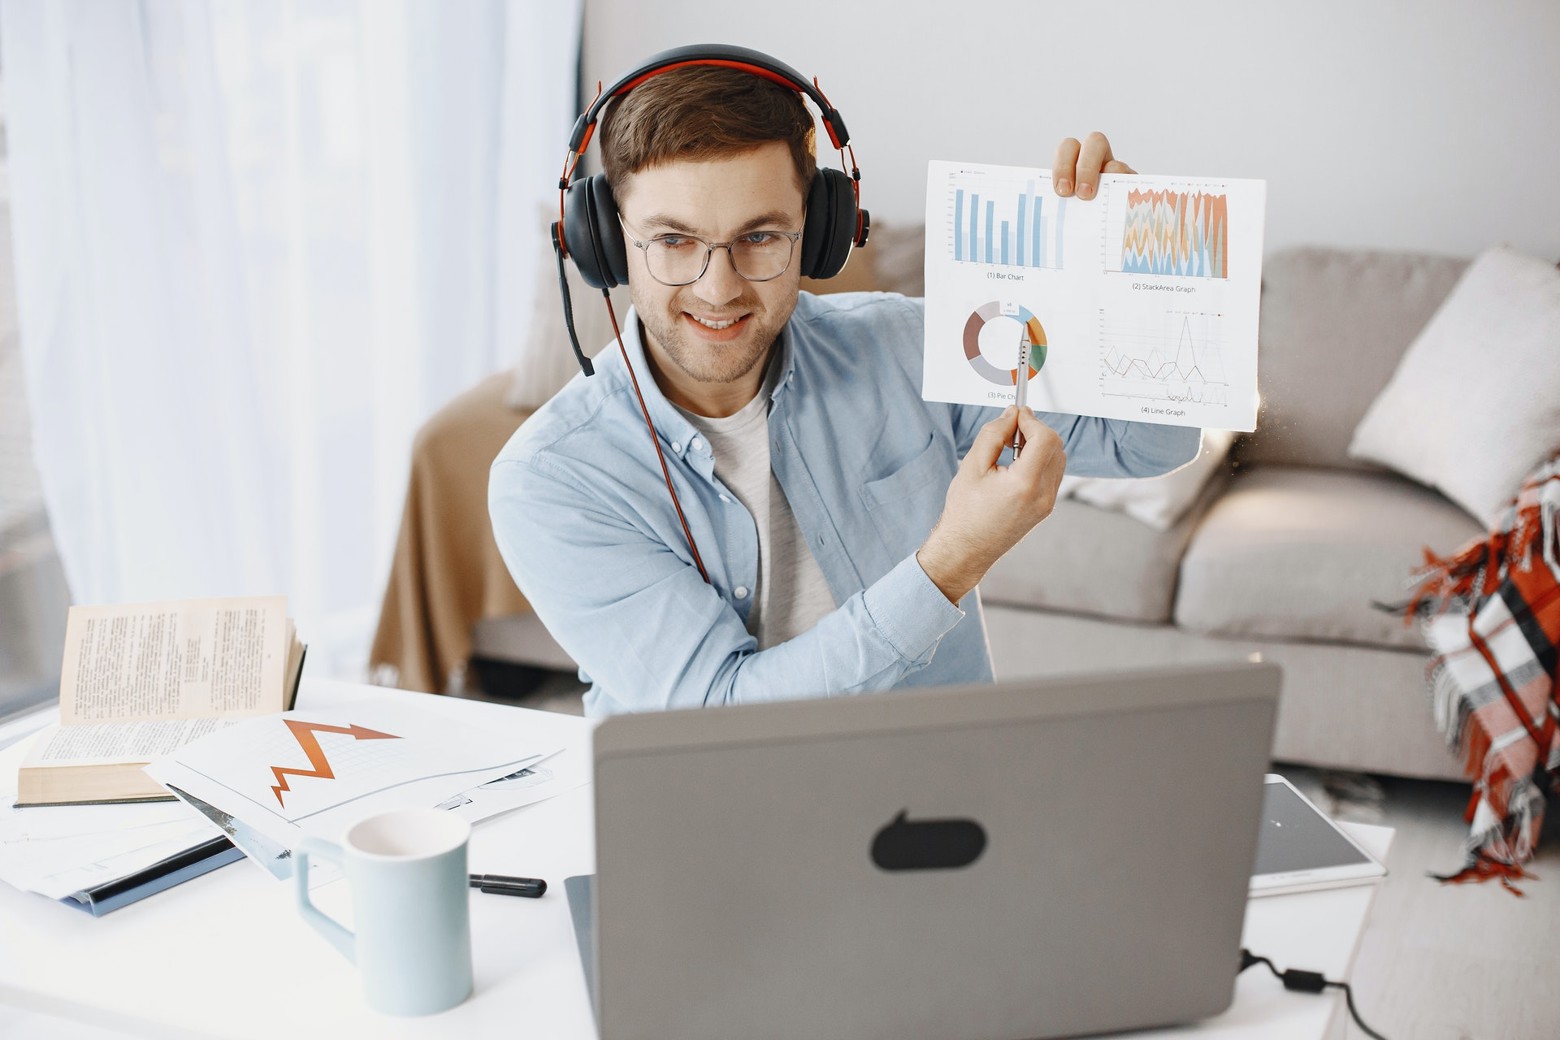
(989, 507)
(1078, 167)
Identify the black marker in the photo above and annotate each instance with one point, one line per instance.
(503, 885)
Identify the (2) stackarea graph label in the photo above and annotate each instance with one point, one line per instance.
(1140, 303)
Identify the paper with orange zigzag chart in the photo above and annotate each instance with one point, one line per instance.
(304, 733)
(303, 763)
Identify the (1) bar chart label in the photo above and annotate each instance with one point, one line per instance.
(1142, 301)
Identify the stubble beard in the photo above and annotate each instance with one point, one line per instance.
(708, 363)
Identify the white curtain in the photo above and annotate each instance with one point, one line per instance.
(257, 243)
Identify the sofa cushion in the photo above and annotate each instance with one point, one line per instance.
(1156, 501)
(1086, 560)
(1296, 553)
(1474, 405)
(1333, 325)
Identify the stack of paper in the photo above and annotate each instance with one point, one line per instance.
(100, 857)
(264, 783)
(267, 782)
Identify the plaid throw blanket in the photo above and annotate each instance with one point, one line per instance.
(1491, 614)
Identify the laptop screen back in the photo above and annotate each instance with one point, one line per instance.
(1033, 858)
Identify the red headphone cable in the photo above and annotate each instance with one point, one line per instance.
(655, 441)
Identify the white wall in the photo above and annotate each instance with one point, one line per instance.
(1404, 124)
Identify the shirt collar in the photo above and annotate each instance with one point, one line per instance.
(786, 363)
(673, 425)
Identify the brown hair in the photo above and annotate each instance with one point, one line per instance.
(702, 112)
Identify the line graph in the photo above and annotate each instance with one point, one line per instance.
(1176, 359)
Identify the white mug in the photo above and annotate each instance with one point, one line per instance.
(411, 905)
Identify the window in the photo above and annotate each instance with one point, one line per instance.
(33, 596)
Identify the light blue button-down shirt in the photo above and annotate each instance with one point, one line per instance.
(585, 524)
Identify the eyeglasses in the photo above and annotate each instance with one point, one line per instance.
(757, 256)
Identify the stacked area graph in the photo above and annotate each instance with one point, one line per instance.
(1180, 233)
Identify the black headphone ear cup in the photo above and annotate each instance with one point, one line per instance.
(831, 224)
(609, 232)
(593, 235)
(578, 236)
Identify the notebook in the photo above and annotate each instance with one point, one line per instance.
(1033, 858)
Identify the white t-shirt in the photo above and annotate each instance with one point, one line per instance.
(792, 594)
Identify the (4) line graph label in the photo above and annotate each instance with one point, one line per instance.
(1140, 303)
(1176, 359)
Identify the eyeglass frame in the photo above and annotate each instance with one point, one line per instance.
(709, 250)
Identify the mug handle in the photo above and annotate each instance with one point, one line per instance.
(340, 938)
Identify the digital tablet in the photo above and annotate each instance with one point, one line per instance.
(1300, 848)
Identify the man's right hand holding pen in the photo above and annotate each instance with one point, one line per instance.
(989, 507)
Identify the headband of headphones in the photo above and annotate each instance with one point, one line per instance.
(742, 58)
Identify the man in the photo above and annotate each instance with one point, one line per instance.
(842, 536)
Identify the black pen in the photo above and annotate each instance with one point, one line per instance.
(503, 885)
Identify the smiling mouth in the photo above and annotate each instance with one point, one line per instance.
(717, 325)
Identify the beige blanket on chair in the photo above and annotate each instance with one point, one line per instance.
(447, 573)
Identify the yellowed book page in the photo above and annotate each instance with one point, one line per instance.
(176, 660)
(108, 743)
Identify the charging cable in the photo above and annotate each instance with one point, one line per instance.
(1308, 982)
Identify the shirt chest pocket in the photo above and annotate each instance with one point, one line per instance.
(903, 506)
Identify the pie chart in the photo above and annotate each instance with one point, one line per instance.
(1008, 318)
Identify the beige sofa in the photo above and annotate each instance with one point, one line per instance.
(1285, 550)
(1289, 548)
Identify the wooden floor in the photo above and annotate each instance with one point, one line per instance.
(1449, 962)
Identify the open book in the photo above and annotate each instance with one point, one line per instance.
(139, 680)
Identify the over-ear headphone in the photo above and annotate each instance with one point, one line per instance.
(588, 231)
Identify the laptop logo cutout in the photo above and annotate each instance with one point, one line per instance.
(931, 844)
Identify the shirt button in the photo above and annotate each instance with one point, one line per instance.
(694, 444)
(677, 446)
(740, 591)
(725, 498)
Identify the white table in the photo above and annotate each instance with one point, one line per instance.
(226, 955)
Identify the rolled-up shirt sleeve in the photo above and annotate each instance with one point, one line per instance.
(650, 634)
(1119, 448)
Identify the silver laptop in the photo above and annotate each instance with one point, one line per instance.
(1035, 858)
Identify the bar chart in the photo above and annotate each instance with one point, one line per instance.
(1007, 224)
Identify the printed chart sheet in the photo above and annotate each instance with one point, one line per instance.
(1140, 303)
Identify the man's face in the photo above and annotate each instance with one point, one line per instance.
(708, 341)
